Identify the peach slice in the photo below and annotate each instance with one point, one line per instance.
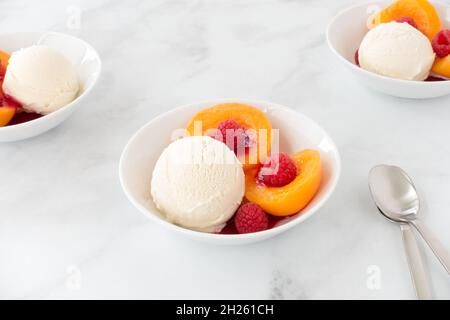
(421, 11)
(248, 117)
(291, 198)
(6, 115)
(441, 66)
(8, 107)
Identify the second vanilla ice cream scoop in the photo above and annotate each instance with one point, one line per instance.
(198, 183)
(397, 50)
(42, 79)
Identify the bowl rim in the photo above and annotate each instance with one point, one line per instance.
(68, 106)
(368, 73)
(229, 237)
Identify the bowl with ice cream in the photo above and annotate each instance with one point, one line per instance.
(43, 79)
(229, 172)
(400, 47)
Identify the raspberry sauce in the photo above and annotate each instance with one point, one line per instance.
(23, 117)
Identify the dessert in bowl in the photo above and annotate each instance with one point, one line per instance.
(43, 77)
(398, 47)
(192, 180)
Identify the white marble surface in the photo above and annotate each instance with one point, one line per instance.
(67, 230)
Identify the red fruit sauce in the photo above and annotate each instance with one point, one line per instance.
(434, 78)
(21, 116)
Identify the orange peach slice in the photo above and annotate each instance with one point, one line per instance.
(248, 117)
(421, 11)
(291, 198)
(6, 114)
(4, 59)
(441, 66)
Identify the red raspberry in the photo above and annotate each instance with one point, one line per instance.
(251, 218)
(441, 43)
(279, 170)
(231, 130)
(357, 57)
(408, 20)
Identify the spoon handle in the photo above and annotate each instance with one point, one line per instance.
(415, 262)
(434, 243)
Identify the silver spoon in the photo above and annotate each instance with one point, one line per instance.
(394, 193)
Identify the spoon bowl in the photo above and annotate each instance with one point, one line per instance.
(394, 193)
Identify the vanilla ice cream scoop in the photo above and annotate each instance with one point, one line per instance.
(41, 79)
(198, 183)
(397, 50)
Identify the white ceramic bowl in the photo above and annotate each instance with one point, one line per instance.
(86, 61)
(296, 130)
(344, 35)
